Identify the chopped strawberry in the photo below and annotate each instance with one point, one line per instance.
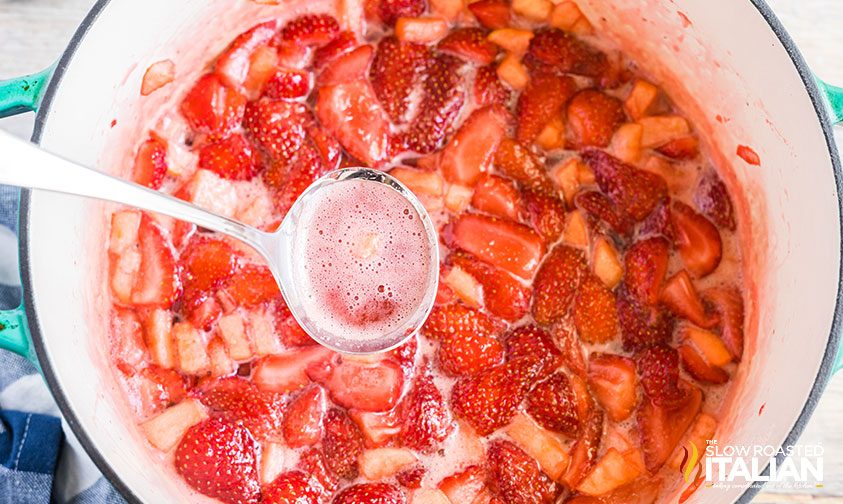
(492, 14)
(312, 462)
(354, 384)
(488, 87)
(541, 101)
(658, 222)
(503, 295)
(411, 478)
(646, 264)
(458, 320)
(497, 196)
(211, 107)
(600, 207)
(515, 161)
(151, 163)
(157, 282)
(240, 401)
(534, 344)
(288, 329)
(378, 429)
(712, 198)
(287, 84)
(307, 166)
(658, 366)
(468, 353)
(595, 311)
(642, 325)
(370, 493)
(341, 44)
(278, 126)
(342, 443)
(697, 239)
(585, 448)
(469, 153)
(465, 485)
(516, 477)
(390, 10)
(405, 355)
(545, 212)
(681, 297)
(565, 53)
(230, 158)
(232, 66)
(569, 344)
(170, 385)
(635, 192)
(207, 264)
(507, 245)
(593, 117)
(426, 420)
(395, 72)
(683, 148)
(219, 459)
(328, 146)
(469, 44)
(443, 95)
(696, 366)
(556, 283)
(310, 29)
(727, 301)
(348, 67)
(661, 428)
(287, 372)
(291, 487)
(253, 285)
(552, 404)
(303, 418)
(613, 381)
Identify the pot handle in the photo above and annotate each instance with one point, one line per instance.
(23, 94)
(834, 100)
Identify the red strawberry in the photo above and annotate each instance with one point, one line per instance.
(507, 245)
(469, 44)
(210, 107)
(278, 126)
(348, 67)
(498, 197)
(565, 53)
(312, 462)
(492, 14)
(658, 366)
(426, 421)
(411, 478)
(390, 10)
(310, 29)
(328, 146)
(553, 404)
(697, 239)
(696, 366)
(727, 301)
(230, 158)
(490, 399)
(585, 448)
(658, 222)
(287, 84)
(712, 198)
(240, 401)
(395, 72)
(515, 161)
(645, 263)
(443, 95)
(207, 264)
(467, 485)
(635, 192)
(233, 65)
(661, 428)
(219, 459)
(303, 418)
(292, 487)
(306, 167)
(378, 429)
(541, 101)
(600, 207)
(516, 477)
(503, 295)
(556, 283)
(151, 163)
(642, 325)
(289, 331)
(405, 355)
(532, 343)
(572, 351)
(469, 153)
(593, 117)
(342, 443)
(613, 381)
(287, 372)
(595, 311)
(354, 384)
(370, 493)
(157, 282)
(681, 297)
(458, 320)
(488, 87)
(467, 354)
(341, 44)
(160, 387)
(683, 148)
(253, 285)
(545, 212)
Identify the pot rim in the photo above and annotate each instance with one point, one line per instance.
(823, 375)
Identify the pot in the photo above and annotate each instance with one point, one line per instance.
(733, 70)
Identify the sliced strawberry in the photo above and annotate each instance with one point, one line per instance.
(595, 311)
(571, 347)
(240, 401)
(253, 285)
(310, 29)
(683, 148)
(287, 84)
(661, 428)
(613, 381)
(635, 192)
(515, 161)
(465, 485)
(600, 207)
(288, 329)
(458, 320)
(328, 146)
(348, 67)
(151, 163)
(545, 212)
(534, 344)
(503, 295)
(211, 107)
(207, 264)
(303, 418)
(585, 448)
(727, 300)
(169, 386)
(497, 196)
(219, 459)
(230, 158)
(697, 239)
(507, 245)
(492, 14)
(354, 384)
(552, 403)
(395, 73)
(469, 153)
(291, 487)
(232, 66)
(489, 89)
(411, 478)
(390, 10)
(307, 166)
(712, 198)
(468, 354)
(556, 283)
(352, 114)
(378, 429)
(593, 117)
(342, 443)
(405, 355)
(341, 44)
(541, 101)
(658, 222)
(516, 477)
(565, 53)
(426, 420)
(642, 325)
(443, 95)
(278, 126)
(287, 372)
(370, 493)
(658, 367)
(696, 366)
(646, 264)
(312, 462)
(469, 44)
(681, 297)
(157, 282)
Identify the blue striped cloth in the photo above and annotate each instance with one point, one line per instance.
(40, 460)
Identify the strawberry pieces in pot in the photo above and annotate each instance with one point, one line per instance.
(593, 117)
(395, 71)
(712, 198)
(426, 420)
(234, 64)
(443, 95)
(206, 265)
(291, 487)
(658, 366)
(552, 403)
(517, 162)
(151, 163)
(253, 285)
(642, 325)
(614, 383)
(230, 158)
(534, 344)
(354, 384)
(468, 353)
(540, 102)
(565, 53)
(646, 264)
(468, 155)
(157, 282)
(370, 493)
(303, 419)
(342, 443)
(492, 14)
(595, 311)
(469, 44)
(503, 295)
(498, 197)
(488, 87)
(309, 30)
(507, 245)
(287, 84)
(681, 297)
(390, 10)
(213, 108)
(240, 401)
(601, 208)
(516, 477)
(556, 282)
(661, 428)
(635, 192)
(459, 320)
(697, 238)
(277, 126)
(545, 212)
(727, 301)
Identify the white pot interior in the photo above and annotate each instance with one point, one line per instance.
(717, 58)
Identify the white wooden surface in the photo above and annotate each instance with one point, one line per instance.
(33, 33)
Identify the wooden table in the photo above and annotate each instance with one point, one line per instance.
(33, 33)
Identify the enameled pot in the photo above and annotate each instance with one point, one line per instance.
(728, 64)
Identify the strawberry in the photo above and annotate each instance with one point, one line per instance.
(565, 53)
(697, 239)
(303, 419)
(642, 325)
(683, 148)
(727, 301)
(379, 429)
(600, 207)
(541, 101)
(341, 44)
(661, 427)
(613, 381)
(569, 344)
(370, 493)
(532, 343)
(306, 166)
(342, 443)
(405, 355)
(278, 126)
(292, 487)
(151, 163)
(465, 486)
(233, 65)
(288, 329)
(426, 421)
(658, 222)
(207, 264)
(507, 245)
(287, 372)
(157, 282)
(467, 354)
(309, 30)
(556, 283)
(497, 196)
(515, 161)
(681, 297)
(635, 192)
(696, 366)
(492, 14)
(595, 311)
(490, 399)
(712, 198)
(211, 107)
(593, 117)
(354, 384)
(645, 263)
(170, 386)
(395, 72)
(390, 10)
(312, 462)
(658, 367)
(552, 404)
(546, 213)
(411, 478)
(516, 477)
(253, 285)
(230, 158)
(503, 295)
(459, 321)
(469, 153)
(488, 88)
(219, 459)
(443, 95)
(287, 84)
(329, 148)
(584, 450)
(239, 401)
(347, 67)
(469, 44)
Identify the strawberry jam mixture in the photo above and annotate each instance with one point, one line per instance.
(590, 311)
